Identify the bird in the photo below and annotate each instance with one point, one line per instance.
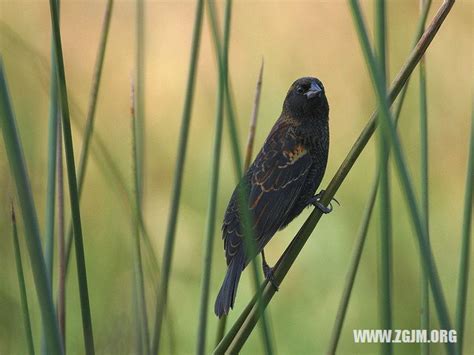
(279, 184)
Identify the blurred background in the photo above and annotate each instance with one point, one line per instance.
(295, 38)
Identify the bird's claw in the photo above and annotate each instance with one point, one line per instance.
(316, 202)
(268, 272)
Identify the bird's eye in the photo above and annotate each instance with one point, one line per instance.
(300, 90)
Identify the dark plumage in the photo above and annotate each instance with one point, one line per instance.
(281, 181)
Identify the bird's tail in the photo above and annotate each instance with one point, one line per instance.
(226, 297)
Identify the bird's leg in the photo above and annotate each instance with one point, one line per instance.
(268, 271)
(316, 202)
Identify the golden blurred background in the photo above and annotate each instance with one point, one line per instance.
(295, 38)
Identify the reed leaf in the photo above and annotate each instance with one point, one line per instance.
(19, 172)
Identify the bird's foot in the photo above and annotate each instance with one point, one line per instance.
(316, 202)
(268, 272)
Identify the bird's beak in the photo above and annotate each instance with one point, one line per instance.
(314, 90)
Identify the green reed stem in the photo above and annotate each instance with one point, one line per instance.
(61, 301)
(140, 94)
(178, 178)
(214, 183)
(253, 119)
(51, 182)
(137, 254)
(424, 279)
(93, 97)
(466, 236)
(21, 284)
(73, 187)
(385, 255)
(19, 172)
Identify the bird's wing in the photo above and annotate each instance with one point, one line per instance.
(275, 181)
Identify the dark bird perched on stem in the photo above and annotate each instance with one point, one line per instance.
(281, 181)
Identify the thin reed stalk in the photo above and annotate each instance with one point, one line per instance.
(19, 172)
(214, 183)
(249, 316)
(385, 254)
(142, 317)
(73, 187)
(177, 183)
(253, 119)
(90, 118)
(424, 279)
(140, 94)
(61, 301)
(463, 278)
(51, 182)
(21, 283)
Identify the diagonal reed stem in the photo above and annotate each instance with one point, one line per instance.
(17, 163)
(178, 178)
(93, 97)
(21, 284)
(73, 187)
(249, 316)
(466, 236)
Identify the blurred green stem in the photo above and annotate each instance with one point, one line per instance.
(137, 257)
(21, 284)
(385, 253)
(214, 183)
(463, 280)
(178, 178)
(73, 188)
(93, 96)
(19, 172)
(54, 117)
(424, 279)
(61, 301)
(140, 95)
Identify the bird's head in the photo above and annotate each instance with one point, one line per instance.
(306, 99)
